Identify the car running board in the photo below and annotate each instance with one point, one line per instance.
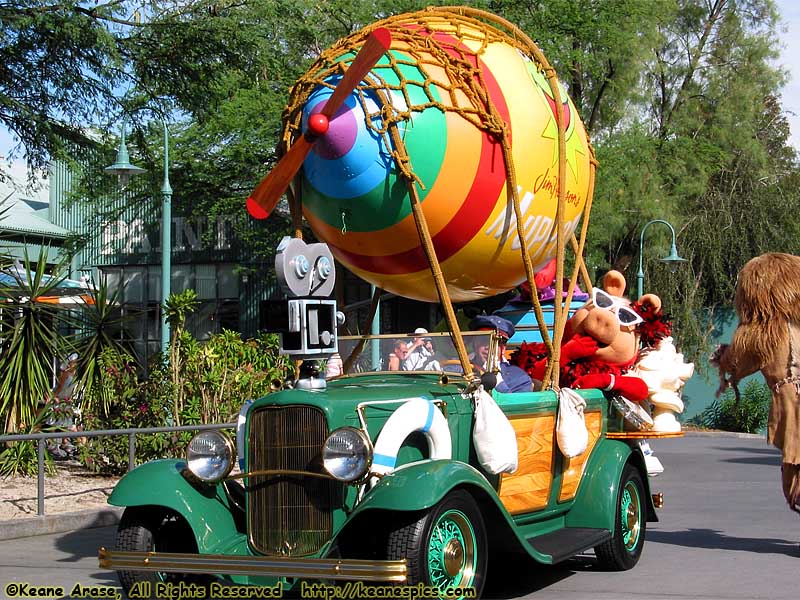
(566, 543)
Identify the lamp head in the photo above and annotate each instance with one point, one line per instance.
(673, 258)
(122, 167)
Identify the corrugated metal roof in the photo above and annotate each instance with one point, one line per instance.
(20, 250)
(21, 219)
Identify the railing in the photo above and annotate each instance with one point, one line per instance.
(40, 438)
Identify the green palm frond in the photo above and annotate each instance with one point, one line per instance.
(102, 322)
(29, 342)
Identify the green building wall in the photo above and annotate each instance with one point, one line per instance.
(126, 250)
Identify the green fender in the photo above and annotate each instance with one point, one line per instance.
(595, 503)
(160, 483)
(421, 485)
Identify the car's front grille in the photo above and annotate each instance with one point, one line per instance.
(289, 514)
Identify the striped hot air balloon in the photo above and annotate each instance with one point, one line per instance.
(476, 115)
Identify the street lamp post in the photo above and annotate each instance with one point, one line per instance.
(124, 170)
(672, 257)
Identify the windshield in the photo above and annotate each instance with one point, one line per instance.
(412, 352)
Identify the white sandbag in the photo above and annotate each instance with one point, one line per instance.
(571, 432)
(494, 437)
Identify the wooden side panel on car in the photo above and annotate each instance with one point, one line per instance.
(573, 467)
(529, 488)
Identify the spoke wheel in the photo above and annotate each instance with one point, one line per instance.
(445, 546)
(623, 550)
(630, 513)
(451, 551)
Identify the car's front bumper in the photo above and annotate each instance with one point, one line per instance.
(394, 571)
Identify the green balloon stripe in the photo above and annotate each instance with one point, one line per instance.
(425, 137)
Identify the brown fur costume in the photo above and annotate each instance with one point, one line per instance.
(768, 340)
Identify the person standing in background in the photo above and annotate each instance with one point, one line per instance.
(420, 353)
(63, 408)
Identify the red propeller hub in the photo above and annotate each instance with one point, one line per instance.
(318, 124)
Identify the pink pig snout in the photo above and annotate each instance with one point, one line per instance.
(602, 325)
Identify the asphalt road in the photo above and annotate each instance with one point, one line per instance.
(724, 533)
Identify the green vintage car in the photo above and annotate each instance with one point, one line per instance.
(372, 476)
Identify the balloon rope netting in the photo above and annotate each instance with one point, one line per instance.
(432, 45)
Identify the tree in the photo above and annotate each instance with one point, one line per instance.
(722, 161)
(597, 48)
(61, 64)
(679, 96)
(28, 341)
(99, 324)
(176, 310)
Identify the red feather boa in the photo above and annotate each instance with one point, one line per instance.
(656, 325)
(532, 357)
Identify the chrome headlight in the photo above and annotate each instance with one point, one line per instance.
(210, 456)
(347, 454)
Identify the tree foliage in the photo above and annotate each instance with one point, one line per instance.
(680, 97)
(61, 63)
(597, 48)
(99, 324)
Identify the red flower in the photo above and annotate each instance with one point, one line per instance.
(656, 325)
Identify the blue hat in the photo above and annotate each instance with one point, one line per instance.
(503, 326)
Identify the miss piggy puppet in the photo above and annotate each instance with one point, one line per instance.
(600, 344)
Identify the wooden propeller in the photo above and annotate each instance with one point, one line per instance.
(268, 192)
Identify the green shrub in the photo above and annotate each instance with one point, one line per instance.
(200, 383)
(217, 377)
(100, 325)
(748, 415)
(129, 406)
(19, 458)
(28, 342)
(214, 379)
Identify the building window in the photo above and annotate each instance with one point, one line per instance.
(217, 288)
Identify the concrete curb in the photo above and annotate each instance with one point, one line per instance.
(733, 434)
(60, 523)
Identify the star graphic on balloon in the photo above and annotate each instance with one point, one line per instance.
(572, 141)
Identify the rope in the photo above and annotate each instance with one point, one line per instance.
(433, 262)
(296, 212)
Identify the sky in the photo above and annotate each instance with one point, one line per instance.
(790, 60)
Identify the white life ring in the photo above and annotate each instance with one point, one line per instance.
(417, 414)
